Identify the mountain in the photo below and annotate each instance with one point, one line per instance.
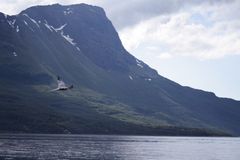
(114, 92)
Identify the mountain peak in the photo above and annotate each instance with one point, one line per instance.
(66, 8)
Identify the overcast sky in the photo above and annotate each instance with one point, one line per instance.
(193, 42)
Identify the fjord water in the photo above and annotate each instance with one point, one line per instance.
(75, 147)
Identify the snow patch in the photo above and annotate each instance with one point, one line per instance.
(68, 11)
(14, 54)
(11, 23)
(25, 23)
(68, 38)
(148, 79)
(28, 26)
(32, 20)
(139, 63)
(60, 28)
(130, 77)
(17, 29)
(48, 26)
(5, 15)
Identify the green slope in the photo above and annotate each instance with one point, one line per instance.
(105, 100)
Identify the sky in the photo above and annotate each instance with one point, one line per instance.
(192, 42)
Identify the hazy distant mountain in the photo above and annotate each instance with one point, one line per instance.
(114, 93)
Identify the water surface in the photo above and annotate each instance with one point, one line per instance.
(94, 147)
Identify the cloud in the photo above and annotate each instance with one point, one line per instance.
(165, 56)
(204, 32)
(131, 12)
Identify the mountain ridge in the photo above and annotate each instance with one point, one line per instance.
(80, 43)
